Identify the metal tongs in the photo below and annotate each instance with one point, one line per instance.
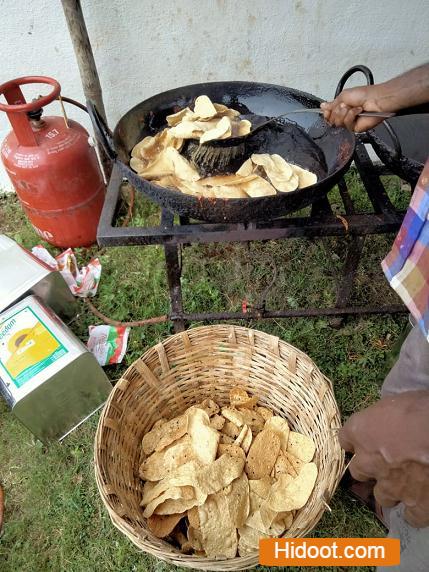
(232, 141)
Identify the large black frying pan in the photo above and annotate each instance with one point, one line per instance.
(308, 141)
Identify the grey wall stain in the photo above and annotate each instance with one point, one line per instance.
(299, 7)
(244, 65)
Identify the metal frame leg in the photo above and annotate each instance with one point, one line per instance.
(345, 287)
(321, 207)
(174, 273)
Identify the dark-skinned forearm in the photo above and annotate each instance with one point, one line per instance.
(406, 90)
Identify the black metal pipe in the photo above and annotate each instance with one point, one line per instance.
(297, 313)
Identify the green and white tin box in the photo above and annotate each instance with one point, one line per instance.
(50, 380)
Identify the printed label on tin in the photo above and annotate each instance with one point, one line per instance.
(27, 346)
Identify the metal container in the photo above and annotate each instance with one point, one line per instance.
(22, 274)
(50, 380)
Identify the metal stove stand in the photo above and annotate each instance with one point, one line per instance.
(321, 222)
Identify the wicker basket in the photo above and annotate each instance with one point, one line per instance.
(187, 368)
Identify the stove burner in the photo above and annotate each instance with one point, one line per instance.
(320, 223)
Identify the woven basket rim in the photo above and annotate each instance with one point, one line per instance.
(162, 550)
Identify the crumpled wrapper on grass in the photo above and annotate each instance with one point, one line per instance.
(42, 254)
(108, 343)
(83, 282)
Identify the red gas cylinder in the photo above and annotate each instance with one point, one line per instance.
(53, 168)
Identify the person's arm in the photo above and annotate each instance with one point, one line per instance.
(390, 442)
(406, 90)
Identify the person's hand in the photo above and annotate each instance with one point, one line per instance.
(343, 110)
(390, 441)
(406, 90)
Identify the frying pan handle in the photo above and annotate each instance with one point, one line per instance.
(397, 149)
(359, 68)
(370, 81)
(102, 132)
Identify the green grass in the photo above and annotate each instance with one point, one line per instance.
(54, 518)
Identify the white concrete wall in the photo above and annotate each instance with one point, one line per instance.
(143, 47)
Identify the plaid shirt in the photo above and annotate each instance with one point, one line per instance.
(407, 265)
